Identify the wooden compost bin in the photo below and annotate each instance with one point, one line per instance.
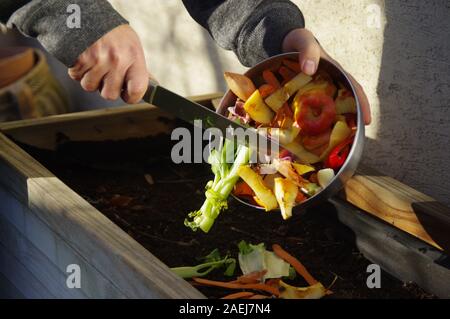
(45, 225)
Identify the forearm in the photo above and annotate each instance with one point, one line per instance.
(46, 20)
(253, 29)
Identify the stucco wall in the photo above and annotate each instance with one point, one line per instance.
(398, 49)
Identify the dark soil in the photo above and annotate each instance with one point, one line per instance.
(111, 176)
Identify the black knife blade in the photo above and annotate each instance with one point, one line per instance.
(190, 111)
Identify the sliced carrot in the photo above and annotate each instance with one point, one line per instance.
(231, 285)
(300, 197)
(239, 295)
(215, 283)
(286, 73)
(294, 262)
(271, 79)
(246, 281)
(280, 116)
(242, 189)
(265, 90)
(294, 66)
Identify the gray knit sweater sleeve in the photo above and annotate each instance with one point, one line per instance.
(47, 21)
(253, 29)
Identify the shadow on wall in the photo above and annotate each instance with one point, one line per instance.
(414, 91)
(210, 50)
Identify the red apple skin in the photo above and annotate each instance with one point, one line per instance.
(316, 114)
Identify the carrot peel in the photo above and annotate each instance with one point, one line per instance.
(239, 295)
(251, 278)
(230, 285)
(294, 262)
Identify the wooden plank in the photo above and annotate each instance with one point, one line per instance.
(93, 282)
(139, 120)
(205, 99)
(400, 205)
(97, 125)
(8, 290)
(401, 255)
(22, 278)
(36, 262)
(136, 271)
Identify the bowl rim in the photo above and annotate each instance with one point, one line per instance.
(359, 134)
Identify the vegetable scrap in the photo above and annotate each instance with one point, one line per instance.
(264, 274)
(210, 262)
(315, 117)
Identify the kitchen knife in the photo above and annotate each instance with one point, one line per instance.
(190, 111)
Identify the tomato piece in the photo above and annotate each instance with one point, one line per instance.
(316, 114)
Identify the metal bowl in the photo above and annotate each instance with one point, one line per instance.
(350, 165)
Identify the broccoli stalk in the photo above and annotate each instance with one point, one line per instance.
(218, 190)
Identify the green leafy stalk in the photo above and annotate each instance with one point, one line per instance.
(212, 261)
(199, 270)
(219, 189)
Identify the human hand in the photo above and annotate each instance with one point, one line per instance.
(114, 65)
(303, 41)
